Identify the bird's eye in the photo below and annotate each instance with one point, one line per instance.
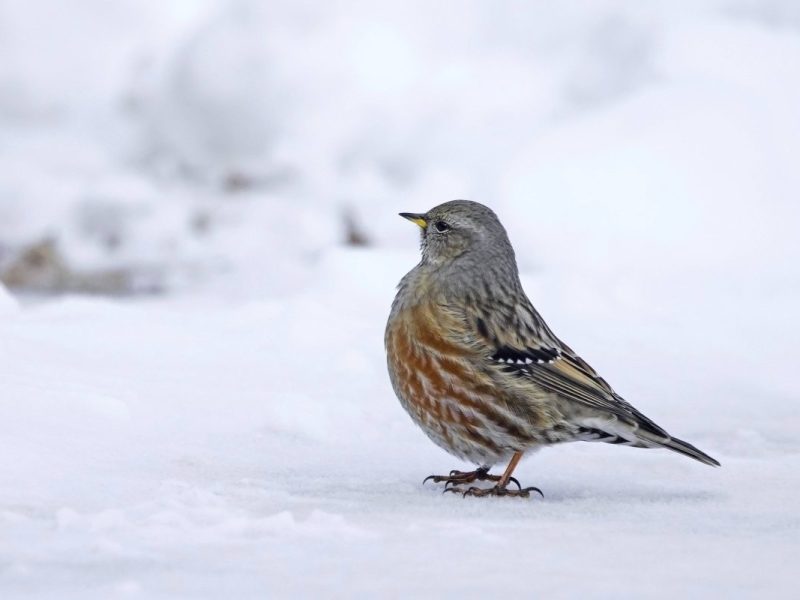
(441, 226)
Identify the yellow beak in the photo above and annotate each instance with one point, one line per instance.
(417, 218)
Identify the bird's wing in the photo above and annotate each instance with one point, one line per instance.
(519, 342)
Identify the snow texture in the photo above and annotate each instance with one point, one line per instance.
(7, 302)
(235, 434)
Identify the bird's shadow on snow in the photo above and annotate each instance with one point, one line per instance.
(628, 494)
(558, 494)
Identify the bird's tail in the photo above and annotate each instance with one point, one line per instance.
(678, 446)
(687, 449)
(641, 437)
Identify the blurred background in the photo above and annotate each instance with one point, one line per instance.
(148, 148)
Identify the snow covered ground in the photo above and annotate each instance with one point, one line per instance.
(188, 448)
(220, 423)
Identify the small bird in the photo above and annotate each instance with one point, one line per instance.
(478, 369)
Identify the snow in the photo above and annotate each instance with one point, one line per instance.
(7, 302)
(189, 447)
(232, 431)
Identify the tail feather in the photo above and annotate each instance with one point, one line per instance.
(687, 449)
(678, 446)
(642, 438)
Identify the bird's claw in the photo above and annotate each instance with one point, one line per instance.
(495, 491)
(513, 480)
(456, 477)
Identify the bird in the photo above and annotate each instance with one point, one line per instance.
(478, 369)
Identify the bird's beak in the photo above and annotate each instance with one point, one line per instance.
(417, 218)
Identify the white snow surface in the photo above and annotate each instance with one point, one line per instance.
(189, 448)
(7, 302)
(237, 436)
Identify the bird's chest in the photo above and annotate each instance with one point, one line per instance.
(431, 373)
(440, 383)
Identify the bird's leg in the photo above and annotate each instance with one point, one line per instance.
(501, 489)
(458, 477)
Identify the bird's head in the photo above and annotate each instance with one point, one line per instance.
(461, 229)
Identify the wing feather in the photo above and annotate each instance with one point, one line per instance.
(524, 345)
(518, 341)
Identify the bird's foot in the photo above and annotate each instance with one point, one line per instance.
(461, 477)
(496, 491)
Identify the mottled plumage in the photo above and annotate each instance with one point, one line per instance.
(476, 366)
